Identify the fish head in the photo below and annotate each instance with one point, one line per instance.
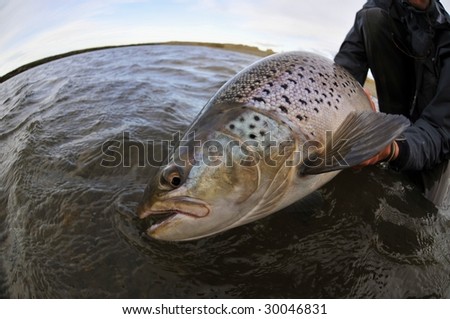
(213, 182)
(201, 193)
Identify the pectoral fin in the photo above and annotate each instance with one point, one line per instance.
(361, 136)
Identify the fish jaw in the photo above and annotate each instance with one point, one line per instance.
(173, 229)
(182, 209)
(181, 205)
(189, 218)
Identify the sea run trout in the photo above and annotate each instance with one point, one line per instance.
(273, 134)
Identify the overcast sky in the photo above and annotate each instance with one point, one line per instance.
(34, 29)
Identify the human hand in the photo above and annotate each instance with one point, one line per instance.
(389, 153)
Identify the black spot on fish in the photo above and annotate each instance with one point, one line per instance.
(308, 90)
(300, 75)
(324, 84)
(321, 75)
(292, 81)
(270, 84)
(288, 71)
(286, 99)
(266, 91)
(232, 126)
(331, 89)
(284, 86)
(324, 95)
(329, 103)
(256, 117)
(303, 102)
(312, 133)
(336, 107)
(283, 109)
(337, 100)
(335, 84)
(252, 126)
(317, 101)
(317, 92)
(259, 99)
(252, 136)
(241, 119)
(300, 117)
(262, 133)
(302, 68)
(316, 109)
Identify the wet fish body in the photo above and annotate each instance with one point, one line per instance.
(296, 120)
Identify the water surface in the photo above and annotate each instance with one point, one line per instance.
(68, 226)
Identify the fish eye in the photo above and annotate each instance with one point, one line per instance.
(175, 181)
(171, 177)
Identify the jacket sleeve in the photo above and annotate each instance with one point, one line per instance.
(428, 139)
(352, 53)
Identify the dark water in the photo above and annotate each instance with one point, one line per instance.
(68, 226)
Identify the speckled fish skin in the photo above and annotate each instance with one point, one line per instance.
(305, 89)
(294, 98)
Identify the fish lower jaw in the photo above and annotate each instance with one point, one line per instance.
(159, 213)
(161, 218)
(169, 213)
(167, 217)
(158, 219)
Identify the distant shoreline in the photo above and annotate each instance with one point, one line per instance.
(370, 84)
(226, 46)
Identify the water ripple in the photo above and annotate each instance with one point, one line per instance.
(68, 226)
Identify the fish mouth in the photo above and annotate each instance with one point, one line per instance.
(165, 211)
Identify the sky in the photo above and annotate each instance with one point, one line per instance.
(35, 29)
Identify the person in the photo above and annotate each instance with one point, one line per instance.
(406, 46)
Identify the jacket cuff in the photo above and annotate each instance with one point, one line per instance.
(402, 158)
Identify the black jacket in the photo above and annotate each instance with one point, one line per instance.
(428, 138)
